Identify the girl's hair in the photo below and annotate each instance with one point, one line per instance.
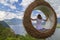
(39, 16)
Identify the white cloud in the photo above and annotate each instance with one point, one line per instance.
(6, 15)
(4, 2)
(2, 15)
(9, 15)
(58, 15)
(56, 6)
(12, 6)
(12, 1)
(20, 15)
(25, 3)
(13, 15)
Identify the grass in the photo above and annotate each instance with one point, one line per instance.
(58, 25)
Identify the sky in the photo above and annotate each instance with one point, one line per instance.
(15, 8)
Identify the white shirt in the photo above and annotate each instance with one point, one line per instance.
(39, 24)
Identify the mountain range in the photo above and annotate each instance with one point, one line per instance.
(19, 21)
(16, 21)
(58, 20)
(4, 24)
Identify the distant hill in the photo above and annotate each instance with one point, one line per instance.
(4, 24)
(14, 21)
(58, 20)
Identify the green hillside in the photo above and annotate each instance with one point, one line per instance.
(7, 34)
(58, 25)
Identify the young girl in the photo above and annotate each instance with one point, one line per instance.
(39, 22)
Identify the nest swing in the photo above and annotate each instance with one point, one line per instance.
(48, 11)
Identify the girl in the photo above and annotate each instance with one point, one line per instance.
(39, 22)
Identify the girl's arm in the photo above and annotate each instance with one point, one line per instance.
(33, 19)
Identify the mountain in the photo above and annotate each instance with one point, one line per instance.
(58, 20)
(14, 21)
(4, 24)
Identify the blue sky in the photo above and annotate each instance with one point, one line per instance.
(9, 9)
(15, 8)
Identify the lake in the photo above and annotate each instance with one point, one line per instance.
(19, 29)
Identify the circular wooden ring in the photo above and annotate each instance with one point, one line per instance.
(28, 25)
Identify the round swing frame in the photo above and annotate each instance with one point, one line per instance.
(27, 20)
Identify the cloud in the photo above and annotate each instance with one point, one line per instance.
(25, 3)
(12, 15)
(8, 15)
(58, 15)
(12, 1)
(12, 6)
(4, 2)
(56, 6)
(20, 15)
(2, 15)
